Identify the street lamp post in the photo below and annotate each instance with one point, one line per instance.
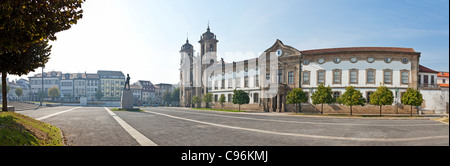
(42, 91)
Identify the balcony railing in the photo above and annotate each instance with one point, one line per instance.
(429, 86)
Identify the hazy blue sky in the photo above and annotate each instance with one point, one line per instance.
(143, 37)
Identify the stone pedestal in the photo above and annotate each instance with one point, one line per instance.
(83, 101)
(127, 99)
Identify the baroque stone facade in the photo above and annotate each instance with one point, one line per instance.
(278, 70)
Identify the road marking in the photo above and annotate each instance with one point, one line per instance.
(140, 138)
(303, 135)
(48, 116)
(313, 123)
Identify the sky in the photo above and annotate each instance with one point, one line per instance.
(143, 37)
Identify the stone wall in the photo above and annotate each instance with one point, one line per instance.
(327, 109)
(435, 100)
(343, 109)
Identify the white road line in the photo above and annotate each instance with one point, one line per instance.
(141, 139)
(304, 135)
(48, 116)
(313, 123)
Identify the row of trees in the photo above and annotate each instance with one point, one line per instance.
(239, 97)
(352, 97)
(323, 95)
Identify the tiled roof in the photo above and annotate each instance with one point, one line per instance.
(347, 49)
(426, 69)
(110, 73)
(444, 85)
(443, 74)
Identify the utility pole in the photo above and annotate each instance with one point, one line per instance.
(42, 91)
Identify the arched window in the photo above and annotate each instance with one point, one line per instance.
(211, 47)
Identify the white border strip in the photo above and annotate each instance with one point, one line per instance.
(48, 116)
(141, 139)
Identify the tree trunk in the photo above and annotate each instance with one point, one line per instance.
(411, 110)
(4, 94)
(300, 107)
(351, 111)
(239, 107)
(380, 110)
(321, 109)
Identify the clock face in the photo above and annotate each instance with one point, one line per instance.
(279, 52)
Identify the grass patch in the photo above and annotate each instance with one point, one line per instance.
(132, 110)
(444, 120)
(210, 109)
(20, 130)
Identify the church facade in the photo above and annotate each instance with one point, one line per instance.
(270, 77)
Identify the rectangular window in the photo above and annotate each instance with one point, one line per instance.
(257, 81)
(216, 85)
(370, 77)
(336, 76)
(425, 79)
(353, 76)
(246, 81)
(230, 99)
(432, 79)
(255, 98)
(336, 95)
(291, 77)
(306, 77)
(230, 83)
(387, 76)
(238, 82)
(321, 77)
(280, 76)
(405, 77)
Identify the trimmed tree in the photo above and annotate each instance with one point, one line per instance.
(322, 96)
(53, 92)
(207, 98)
(240, 97)
(352, 97)
(412, 97)
(383, 96)
(196, 100)
(222, 100)
(19, 92)
(98, 95)
(297, 97)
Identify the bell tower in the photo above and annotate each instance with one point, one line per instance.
(208, 46)
(186, 74)
(208, 56)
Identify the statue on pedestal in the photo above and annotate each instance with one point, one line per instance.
(127, 82)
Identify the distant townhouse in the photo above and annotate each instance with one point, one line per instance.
(148, 91)
(111, 84)
(427, 77)
(443, 79)
(92, 85)
(137, 94)
(66, 87)
(51, 79)
(25, 85)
